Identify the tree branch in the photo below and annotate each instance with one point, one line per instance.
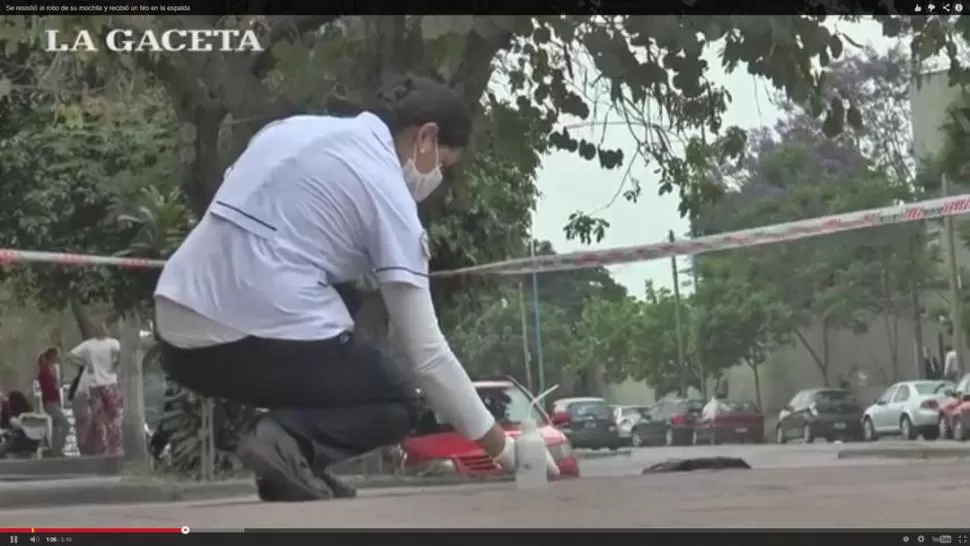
(280, 27)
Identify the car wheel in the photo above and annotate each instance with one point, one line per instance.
(943, 428)
(636, 440)
(780, 437)
(669, 439)
(807, 435)
(960, 432)
(868, 430)
(906, 428)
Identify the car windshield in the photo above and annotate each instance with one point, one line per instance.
(634, 412)
(737, 407)
(834, 397)
(592, 409)
(508, 404)
(692, 406)
(932, 387)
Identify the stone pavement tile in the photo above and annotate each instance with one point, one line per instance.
(868, 497)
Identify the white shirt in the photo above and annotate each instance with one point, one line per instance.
(84, 384)
(99, 357)
(312, 201)
(950, 365)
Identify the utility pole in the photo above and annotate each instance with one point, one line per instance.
(526, 357)
(538, 324)
(681, 361)
(956, 304)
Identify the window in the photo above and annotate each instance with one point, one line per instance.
(888, 395)
(835, 396)
(799, 400)
(902, 394)
(593, 409)
(662, 411)
(964, 386)
(932, 387)
(509, 405)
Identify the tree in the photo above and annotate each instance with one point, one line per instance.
(738, 321)
(487, 327)
(838, 280)
(636, 60)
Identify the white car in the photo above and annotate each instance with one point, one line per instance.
(626, 417)
(908, 409)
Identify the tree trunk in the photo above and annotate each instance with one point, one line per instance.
(757, 382)
(84, 322)
(891, 324)
(825, 354)
(918, 346)
(820, 360)
(133, 390)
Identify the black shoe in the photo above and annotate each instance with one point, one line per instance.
(341, 489)
(274, 456)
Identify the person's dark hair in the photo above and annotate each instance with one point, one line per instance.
(947, 348)
(49, 354)
(412, 101)
(19, 403)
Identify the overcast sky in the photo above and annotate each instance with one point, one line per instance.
(569, 183)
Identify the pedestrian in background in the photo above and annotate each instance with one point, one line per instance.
(951, 368)
(48, 378)
(100, 356)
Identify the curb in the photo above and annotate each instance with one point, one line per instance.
(91, 466)
(906, 453)
(38, 493)
(603, 454)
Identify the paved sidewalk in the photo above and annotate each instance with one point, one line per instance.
(881, 496)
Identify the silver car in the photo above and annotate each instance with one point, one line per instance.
(908, 409)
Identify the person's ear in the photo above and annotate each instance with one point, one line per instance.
(427, 136)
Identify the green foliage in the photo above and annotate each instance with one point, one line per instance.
(63, 174)
(183, 420)
(648, 71)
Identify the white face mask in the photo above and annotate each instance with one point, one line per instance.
(422, 184)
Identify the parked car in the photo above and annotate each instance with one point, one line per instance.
(908, 409)
(722, 421)
(626, 417)
(436, 448)
(668, 422)
(828, 413)
(587, 422)
(954, 412)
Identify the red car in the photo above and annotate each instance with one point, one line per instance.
(435, 448)
(726, 421)
(954, 420)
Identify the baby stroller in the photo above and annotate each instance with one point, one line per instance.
(27, 436)
(23, 433)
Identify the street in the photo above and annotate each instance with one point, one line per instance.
(790, 486)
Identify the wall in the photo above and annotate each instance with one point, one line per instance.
(790, 369)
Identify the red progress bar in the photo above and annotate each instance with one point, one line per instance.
(91, 530)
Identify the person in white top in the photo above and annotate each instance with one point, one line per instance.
(951, 365)
(249, 309)
(100, 356)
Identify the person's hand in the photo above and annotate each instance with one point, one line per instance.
(506, 459)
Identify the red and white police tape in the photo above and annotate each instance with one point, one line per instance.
(788, 231)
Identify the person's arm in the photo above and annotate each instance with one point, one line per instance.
(115, 355)
(440, 376)
(77, 355)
